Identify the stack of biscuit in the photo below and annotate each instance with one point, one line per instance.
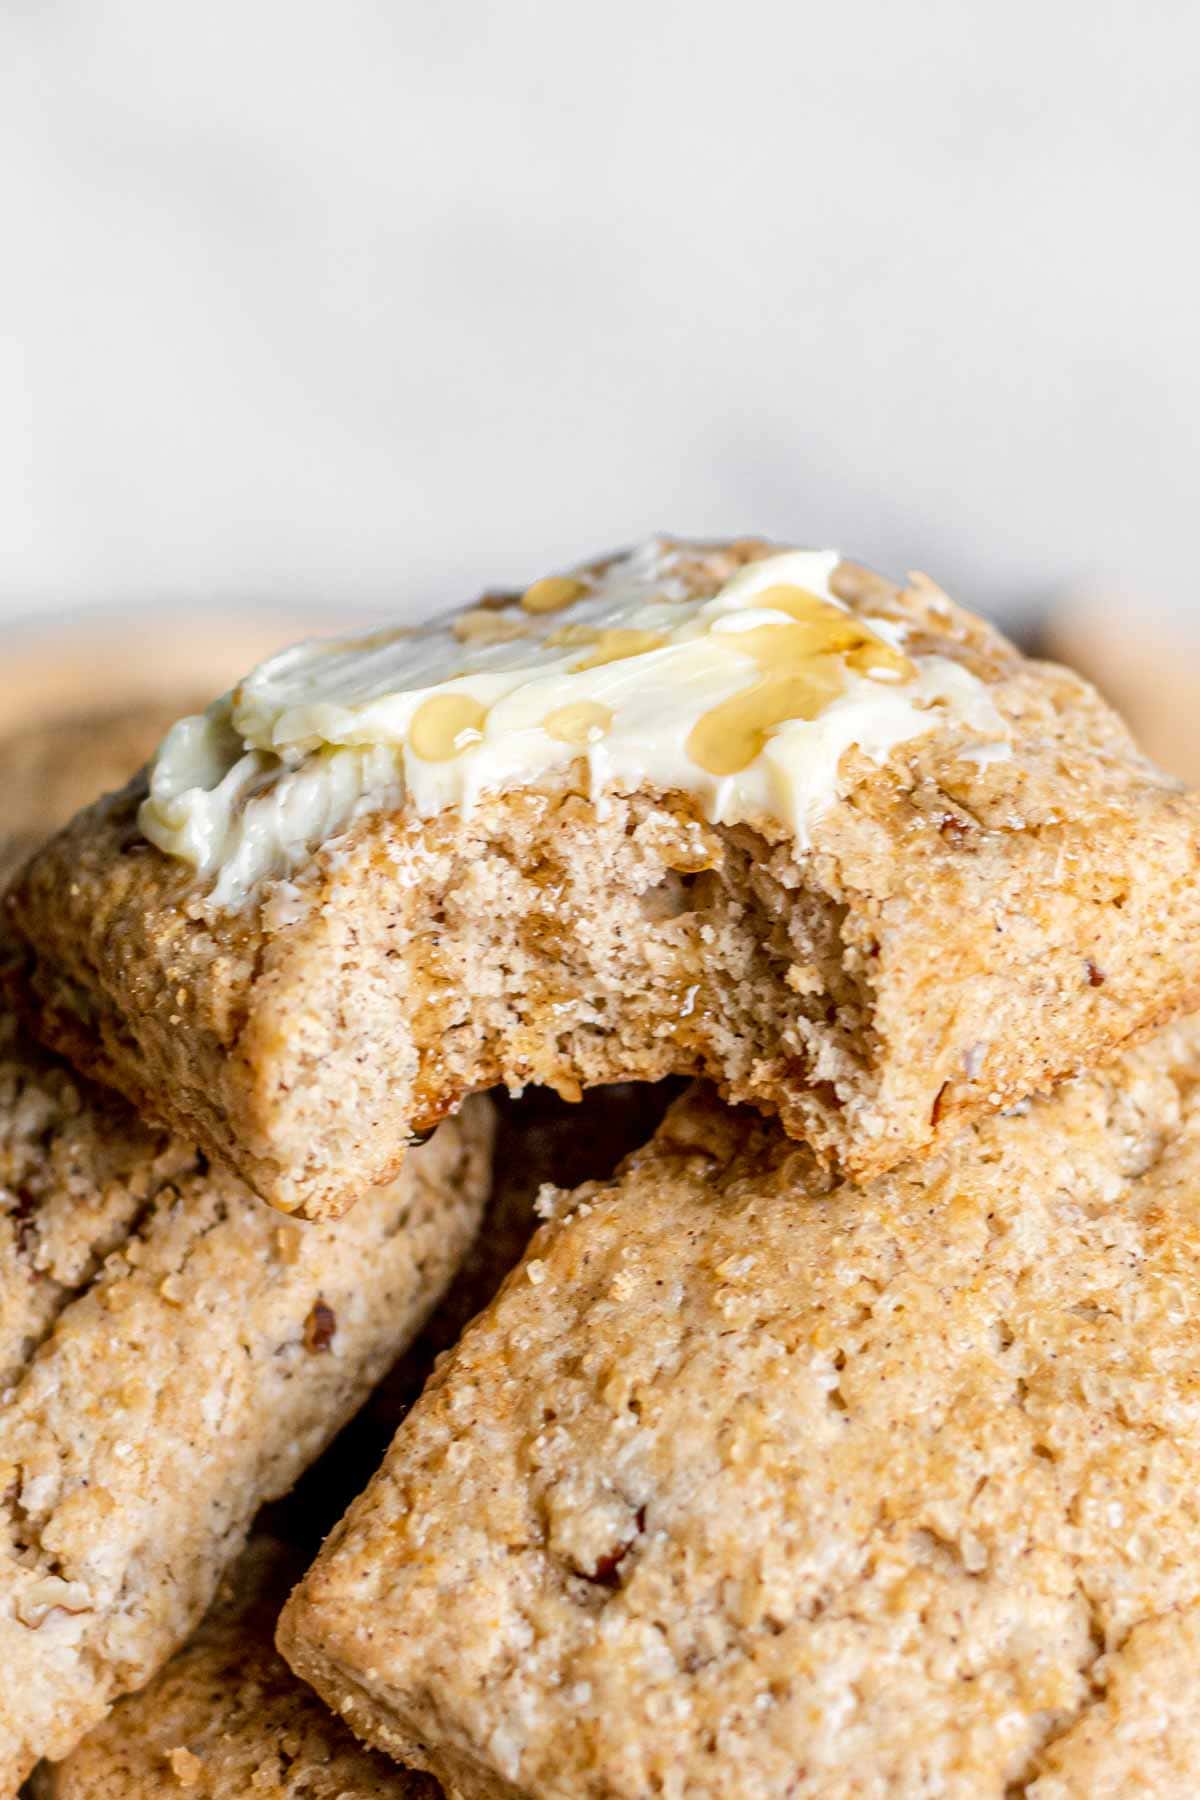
(837, 1430)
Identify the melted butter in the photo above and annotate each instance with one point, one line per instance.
(552, 593)
(446, 725)
(743, 693)
(584, 723)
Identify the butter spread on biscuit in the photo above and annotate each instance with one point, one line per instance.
(746, 699)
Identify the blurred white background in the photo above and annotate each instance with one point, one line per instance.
(365, 304)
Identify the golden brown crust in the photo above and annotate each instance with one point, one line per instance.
(822, 1492)
(957, 936)
(176, 1355)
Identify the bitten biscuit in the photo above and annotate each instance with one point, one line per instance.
(743, 1485)
(227, 1720)
(847, 853)
(174, 1354)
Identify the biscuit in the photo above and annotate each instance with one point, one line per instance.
(748, 1484)
(226, 1719)
(961, 922)
(227, 1699)
(175, 1354)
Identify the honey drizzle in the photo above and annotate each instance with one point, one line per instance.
(803, 669)
(445, 725)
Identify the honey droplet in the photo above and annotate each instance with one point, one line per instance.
(445, 725)
(611, 646)
(582, 724)
(803, 668)
(552, 593)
